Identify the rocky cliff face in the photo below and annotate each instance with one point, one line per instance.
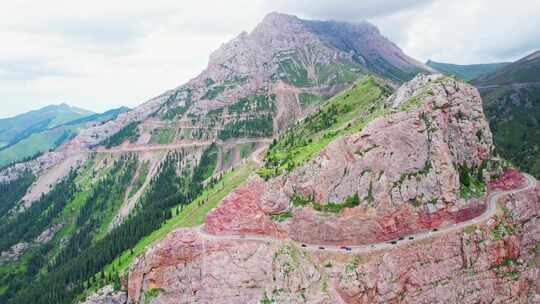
(403, 168)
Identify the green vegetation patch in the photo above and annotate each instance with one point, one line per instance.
(282, 216)
(299, 200)
(344, 114)
(175, 112)
(152, 293)
(308, 99)
(246, 149)
(213, 92)
(130, 132)
(515, 125)
(471, 181)
(260, 102)
(292, 71)
(36, 144)
(140, 178)
(466, 72)
(338, 72)
(190, 215)
(502, 229)
(258, 126)
(163, 136)
(469, 229)
(207, 164)
(353, 264)
(13, 191)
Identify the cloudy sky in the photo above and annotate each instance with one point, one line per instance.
(102, 54)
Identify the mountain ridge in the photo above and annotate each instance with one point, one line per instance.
(466, 72)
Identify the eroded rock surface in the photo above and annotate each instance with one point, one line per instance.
(107, 295)
(403, 166)
(485, 263)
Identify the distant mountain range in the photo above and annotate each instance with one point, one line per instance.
(14, 129)
(466, 72)
(525, 70)
(31, 133)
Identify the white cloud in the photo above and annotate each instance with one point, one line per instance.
(348, 10)
(102, 54)
(464, 31)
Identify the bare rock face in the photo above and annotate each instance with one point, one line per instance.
(496, 261)
(13, 253)
(510, 179)
(247, 216)
(107, 295)
(403, 166)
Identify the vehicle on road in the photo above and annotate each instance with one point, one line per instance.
(321, 247)
(303, 245)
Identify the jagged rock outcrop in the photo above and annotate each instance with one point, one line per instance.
(403, 166)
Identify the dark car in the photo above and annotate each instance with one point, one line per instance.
(411, 238)
(435, 229)
(303, 245)
(321, 247)
(393, 242)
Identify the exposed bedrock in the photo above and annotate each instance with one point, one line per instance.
(496, 261)
(403, 166)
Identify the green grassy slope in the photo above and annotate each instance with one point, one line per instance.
(33, 141)
(346, 113)
(466, 72)
(190, 215)
(513, 116)
(16, 128)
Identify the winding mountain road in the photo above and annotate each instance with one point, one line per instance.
(173, 146)
(488, 213)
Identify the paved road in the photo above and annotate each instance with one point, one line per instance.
(488, 213)
(173, 146)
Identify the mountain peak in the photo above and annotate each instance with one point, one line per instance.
(534, 55)
(277, 16)
(280, 34)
